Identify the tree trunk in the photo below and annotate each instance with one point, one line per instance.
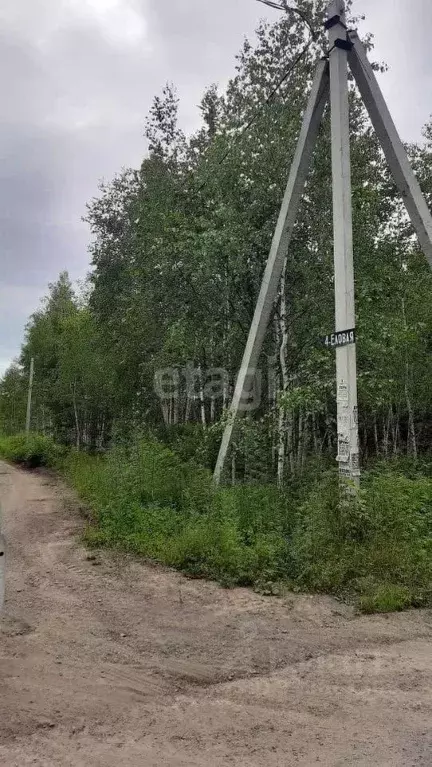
(281, 448)
(300, 440)
(233, 468)
(165, 412)
(101, 433)
(201, 399)
(175, 410)
(386, 432)
(283, 339)
(305, 442)
(77, 425)
(395, 432)
(376, 441)
(188, 408)
(314, 427)
(291, 444)
(412, 438)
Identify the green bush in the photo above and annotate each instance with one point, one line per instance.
(146, 500)
(384, 533)
(31, 450)
(215, 547)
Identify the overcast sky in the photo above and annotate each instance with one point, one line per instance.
(77, 79)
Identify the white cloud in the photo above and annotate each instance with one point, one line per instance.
(120, 21)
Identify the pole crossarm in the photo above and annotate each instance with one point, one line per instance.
(392, 146)
(299, 170)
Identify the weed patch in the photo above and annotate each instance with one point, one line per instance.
(31, 451)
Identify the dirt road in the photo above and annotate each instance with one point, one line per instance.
(111, 662)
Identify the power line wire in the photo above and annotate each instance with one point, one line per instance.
(290, 9)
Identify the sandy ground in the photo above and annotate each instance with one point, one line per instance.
(108, 661)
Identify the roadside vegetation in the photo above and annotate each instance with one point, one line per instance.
(374, 549)
(30, 451)
(151, 344)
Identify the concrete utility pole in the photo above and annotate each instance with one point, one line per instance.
(346, 367)
(29, 398)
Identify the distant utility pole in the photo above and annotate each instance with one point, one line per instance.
(331, 84)
(29, 398)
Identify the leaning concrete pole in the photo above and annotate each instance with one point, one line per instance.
(391, 143)
(278, 253)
